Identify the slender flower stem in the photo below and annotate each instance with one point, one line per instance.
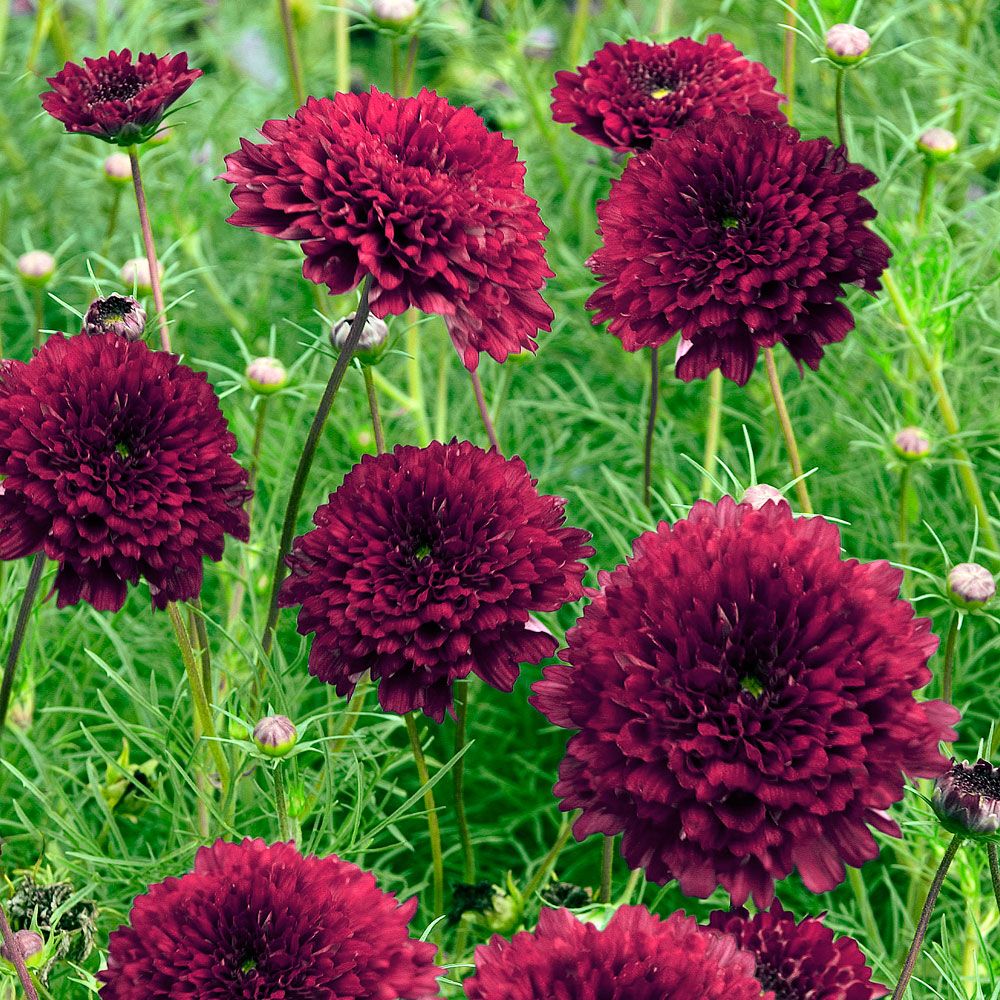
(17, 640)
(39, 318)
(13, 949)
(281, 802)
(147, 239)
(351, 716)
(654, 402)
(932, 366)
(925, 916)
(458, 778)
(550, 859)
(991, 851)
(415, 381)
(433, 826)
(839, 104)
(788, 58)
(713, 430)
(197, 619)
(948, 673)
(664, 13)
(292, 51)
(116, 200)
(411, 65)
(373, 409)
(865, 908)
(787, 430)
(306, 460)
(484, 410)
(203, 711)
(578, 32)
(926, 193)
(342, 48)
(607, 864)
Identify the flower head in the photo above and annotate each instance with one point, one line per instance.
(254, 920)
(121, 315)
(911, 444)
(630, 95)
(116, 99)
(740, 235)
(847, 44)
(744, 701)
(117, 464)
(417, 193)
(971, 585)
(937, 143)
(967, 799)
(800, 961)
(637, 956)
(425, 566)
(275, 735)
(374, 337)
(760, 494)
(266, 375)
(36, 267)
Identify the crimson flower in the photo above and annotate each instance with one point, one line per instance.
(116, 99)
(739, 235)
(744, 700)
(630, 95)
(425, 566)
(417, 193)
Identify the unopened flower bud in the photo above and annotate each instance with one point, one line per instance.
(971, 585)
(373, 337)
(135, 273)
(30, 943)
(847, 44)
(967, 800)
(937, 143)
(394, 13)
(36, 267)
(118, 169)
(540, 43)
(911, 444)
(761, 494)
(275, 735)
(119, 314)
(266, 375)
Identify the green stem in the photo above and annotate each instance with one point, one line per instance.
(17, 639)
(373, 409)
(458, 777)
(351, 716)
(664, 13)
(578, 32)
(550, 859)
(647, 451)
(905, 475)
(147, 239)
(433, 826)
(39, 318)
(948, 673)
(305, 464)
(13, 949)
(788, 58)
(925, 916)
(787, 431)
(926, 193)
(292, 51)
(415, 381)
(711, 456)
(484, 410)
(839, 104)
(865, 908)
(342, 48)
(411, 64)
(991, 851)
(281, 802)
(607, 866)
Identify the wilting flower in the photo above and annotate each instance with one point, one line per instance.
(414, 192)
(630, 95)
(739, 235)
(118, 465)
(637, 956)
(745, 703)
(116, 99)
(259, 921)
(425, 566)
(800, 961)
(121, 315)
(967, 799)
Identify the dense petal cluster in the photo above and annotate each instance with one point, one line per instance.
(117, 464)
(630, 95)
(253, 921)
(116, 99)
(415, 192)
(800, 961)
(745, 703)
(739, 235)
(637, 956)
(425, 566)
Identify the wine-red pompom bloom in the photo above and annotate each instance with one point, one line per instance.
(116, 99)
(745, 703)
(253, 921)
(637, 956)
(739, 235)
(415, 192)
(630, 95)
(424, 567)
(800, 961)
(118, 465)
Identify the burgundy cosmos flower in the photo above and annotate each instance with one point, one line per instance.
(630, 95)
(637, 956)
(739, 235)
(118, 465)
(417, 193)
(424, 567)
(745, 703)
(253, 921)
(116, 99)
(800, 961)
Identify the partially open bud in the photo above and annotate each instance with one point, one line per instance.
(36, 267)
(911, 444)
(275, 735)
(119, 314)
(372, 342)
(847, 44)
(29, 943)
(971, 586)
(967, 800)
(135, 273)
(266, 375)
(761, 494)
(937, 143)
(394, 13)
(118, 169)
(540, 43)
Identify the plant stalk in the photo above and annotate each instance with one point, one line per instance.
(787, 431)
(147, 239)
